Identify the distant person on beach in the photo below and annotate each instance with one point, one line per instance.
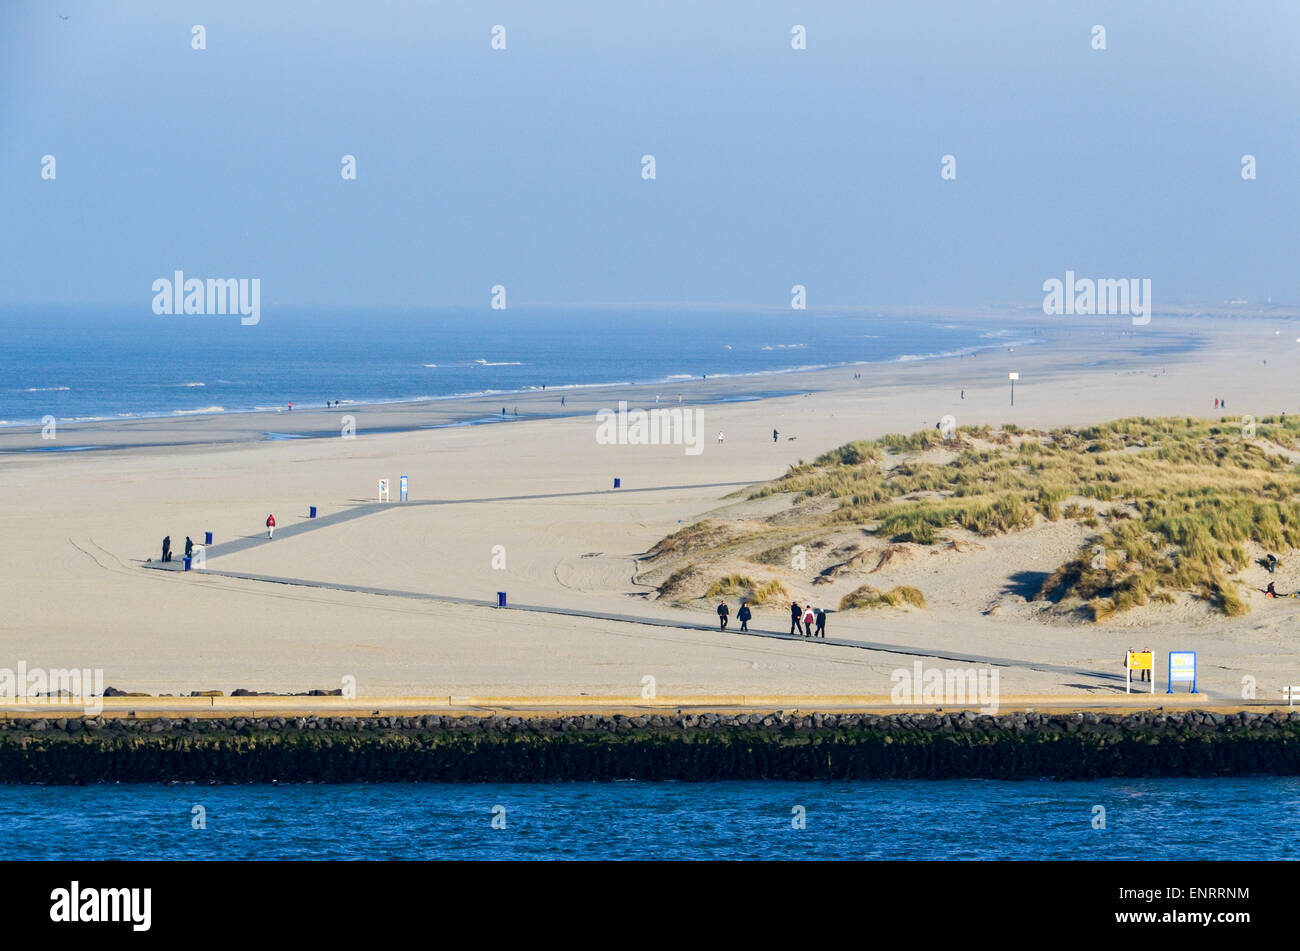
(561, 402)
(743, 615)
(774, 435)
(808, 621)
(270, 526)
(723, 611)
(1272, 563)
(291, 407)
(503, 411)
(963, 394)
(1269, 592)
(189, 546)
(167, 548)
(1146, 674)
(722, 437)
(796, 613)
(821, 623)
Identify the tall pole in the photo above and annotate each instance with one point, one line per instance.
(1013, 376)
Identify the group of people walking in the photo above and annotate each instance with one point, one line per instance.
(813, 620)
(807, 621)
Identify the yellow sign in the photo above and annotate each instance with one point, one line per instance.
(1140, 660)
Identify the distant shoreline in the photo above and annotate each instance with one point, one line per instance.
(314, 421)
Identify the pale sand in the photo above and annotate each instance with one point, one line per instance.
(76, 527)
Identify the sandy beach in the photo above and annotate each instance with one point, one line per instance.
(527, 506)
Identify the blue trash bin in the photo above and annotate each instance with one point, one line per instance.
(501, 599)
(313, 512)
(187, 563)
(618, 483)
(207, 538)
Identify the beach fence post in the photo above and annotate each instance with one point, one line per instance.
(207, 538)
(401, 489)
(383, 490)
(312, 512)
(501, 599)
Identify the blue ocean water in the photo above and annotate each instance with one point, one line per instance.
(81, 364)
(956, 819)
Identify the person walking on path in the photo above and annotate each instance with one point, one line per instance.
(821, 623)
(167, 548)
(270, 526)
(774, 435)
(743, 615)
(796, 613)
(808, 621)
(723, 611)
(189, 546)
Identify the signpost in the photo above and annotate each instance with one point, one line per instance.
(1139, 660)
(1013, 377)
(1182, 669)
(401, 489)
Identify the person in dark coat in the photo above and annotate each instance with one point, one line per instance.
(189, 546)
(821, 622)
(796, 618)
(744, 614)
(167, 548)
(723, 612)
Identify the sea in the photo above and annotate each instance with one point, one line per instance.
(1164, 819)
(82, 364)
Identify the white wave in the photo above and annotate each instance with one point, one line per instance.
(189, 384)
(502, 363)
(196, 412)
(786, 346)
(47, 389)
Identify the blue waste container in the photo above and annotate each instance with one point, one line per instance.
(501, 599)
(618, 483)
(207, 538)
(313, 512)
(187, 563)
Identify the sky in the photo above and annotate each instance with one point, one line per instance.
(523, 167)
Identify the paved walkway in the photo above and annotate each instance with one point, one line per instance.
(243, 543)
(686, 625)
(1101, 679)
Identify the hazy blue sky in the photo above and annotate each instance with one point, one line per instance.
(522, 167)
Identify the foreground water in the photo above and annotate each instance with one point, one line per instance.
(960, 819)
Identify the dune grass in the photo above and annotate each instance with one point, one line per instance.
(1176, 501)
(867, 596)
(742, 586)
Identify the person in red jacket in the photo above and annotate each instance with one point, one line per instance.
(270, 526)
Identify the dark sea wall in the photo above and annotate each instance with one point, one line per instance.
(691, 747)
